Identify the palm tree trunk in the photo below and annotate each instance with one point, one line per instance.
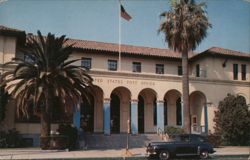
(185, 91)
(45, 124)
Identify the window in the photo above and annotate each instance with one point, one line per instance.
(197, 70)
(243, 71)
(159, 68)
(86, 63)
(112, 65)
(235, 71)
(179, 70)
(136, 66)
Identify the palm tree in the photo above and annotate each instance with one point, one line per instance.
(184, 27)
(46, 74)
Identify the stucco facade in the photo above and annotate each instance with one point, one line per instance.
(149, 100)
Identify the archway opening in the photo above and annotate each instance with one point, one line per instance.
(87, 114)
(173, 108)
(120, 109)
(140, 114)
(178, 112)
(91, 109)
(197, 111)
(147, 116)
(115, 113)
(165, 112)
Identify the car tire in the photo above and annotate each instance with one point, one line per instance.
(164, 155)
(204, 154)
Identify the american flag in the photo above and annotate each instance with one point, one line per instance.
(124, 14)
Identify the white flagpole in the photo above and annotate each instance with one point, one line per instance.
(119, 61)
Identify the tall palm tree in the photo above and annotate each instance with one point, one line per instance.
(185, 25)
(48, 73)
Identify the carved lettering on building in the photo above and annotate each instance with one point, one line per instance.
(121, 81)
(148, 83)
(98, 80)
(130, 82)
(115, 81)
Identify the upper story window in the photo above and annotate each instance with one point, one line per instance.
(136, 66)
(243, 71)
(159, 68)
(197, 70)
(179, 70)
(112, 65)
(235, 71)
(86, 63)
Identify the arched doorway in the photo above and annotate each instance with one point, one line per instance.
(87, 115)
(147, 111)
(140, 114)
(178, 112)
(115, 113)
(91, 111)
(119, 109)
(197, 111)
(173, 108)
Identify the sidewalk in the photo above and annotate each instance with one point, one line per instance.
(138, 153)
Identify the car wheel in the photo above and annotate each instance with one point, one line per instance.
(204, 154)
(164, 155)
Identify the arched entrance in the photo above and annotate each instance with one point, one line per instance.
(173, 108)
(115, 113)
(87, 115)
(197, 111)
(243, 97)
(140, 114)
(147, 111)
(178, 112)
(119, 109)
(91, 109)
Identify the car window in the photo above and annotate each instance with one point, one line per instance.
(198, 139)
(184, 138)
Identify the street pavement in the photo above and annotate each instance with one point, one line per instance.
(137, 153)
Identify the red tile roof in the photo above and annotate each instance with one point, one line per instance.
(136, 50)
(226, 52)
(127, 49)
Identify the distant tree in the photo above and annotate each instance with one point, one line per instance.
(233, 121)
(184, 26)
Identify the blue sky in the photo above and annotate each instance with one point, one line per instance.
(97, 20)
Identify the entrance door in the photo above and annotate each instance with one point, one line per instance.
(141, 114)
(115, 114)
(87, 115)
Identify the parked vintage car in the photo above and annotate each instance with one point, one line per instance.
(181, 145)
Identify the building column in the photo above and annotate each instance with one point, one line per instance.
(160, 115)
(134, 116)
(77, 116)
(206, 118)
(106, 116)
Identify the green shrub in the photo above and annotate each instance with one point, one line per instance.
(232, 121)
(71, 133)
(171, 130)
